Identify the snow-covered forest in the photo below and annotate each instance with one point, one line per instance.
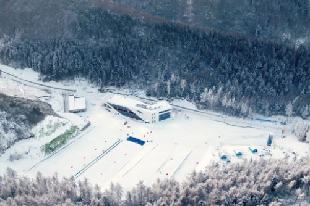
(285, 21)
(272, 182)
(17, 117)
(249, 59)
(229, 73)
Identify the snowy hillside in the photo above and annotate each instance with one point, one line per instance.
(191, 140)
(20, 111)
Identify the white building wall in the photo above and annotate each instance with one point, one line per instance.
(150, 116)
(71, 103)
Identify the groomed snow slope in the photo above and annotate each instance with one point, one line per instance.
(173, 149)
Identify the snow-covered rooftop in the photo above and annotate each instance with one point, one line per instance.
(76, 103)
(80, 103)
(134, 103)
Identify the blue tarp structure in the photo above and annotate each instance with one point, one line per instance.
(253, 149)
(135, 140)
(238, 153)
(223, 157)
(269, 141)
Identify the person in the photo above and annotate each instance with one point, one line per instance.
(283, 133)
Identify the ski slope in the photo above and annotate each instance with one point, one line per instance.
(190, 140)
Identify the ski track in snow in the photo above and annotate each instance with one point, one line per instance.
(89, 165)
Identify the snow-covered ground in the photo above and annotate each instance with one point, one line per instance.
(11, 88)
(188, 141)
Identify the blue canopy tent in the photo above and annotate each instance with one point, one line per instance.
(253, 149)
(238, 153)
(223, 155)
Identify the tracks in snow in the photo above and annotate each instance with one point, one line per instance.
(16, 78)
(89, 165)
(139, 161)
(180, 166)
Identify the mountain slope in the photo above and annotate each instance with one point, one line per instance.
(17, 117)
(221, 72)
(283, 21)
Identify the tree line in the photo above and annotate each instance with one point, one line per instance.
(263, 182)
(17, 117)
(236, 75)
